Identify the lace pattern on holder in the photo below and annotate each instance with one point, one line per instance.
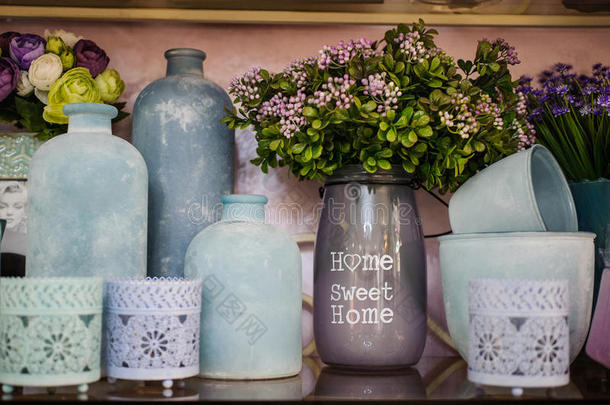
(70, 294)
(152, 328)
(153, 294)
(508, 297)
(519, 334)
(50, 330)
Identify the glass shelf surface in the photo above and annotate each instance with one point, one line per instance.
(433, 379)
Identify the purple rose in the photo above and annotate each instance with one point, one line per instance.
(90, 56)
(25, 48)
(9, 77)
(5, 40)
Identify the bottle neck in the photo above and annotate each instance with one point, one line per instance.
(184, 66)
(184, 61)
(100, 124)
(244, 212)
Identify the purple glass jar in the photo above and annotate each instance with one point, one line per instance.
(369, 271)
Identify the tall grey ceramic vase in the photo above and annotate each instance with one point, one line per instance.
(189, 154)
(369, 272)
(87, 201)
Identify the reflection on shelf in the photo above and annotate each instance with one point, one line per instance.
(341, 384)
(432, 379)
(283, 389)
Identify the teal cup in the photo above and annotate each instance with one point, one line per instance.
(524, 192)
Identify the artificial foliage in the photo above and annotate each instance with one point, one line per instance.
(40, 75)
(400, 101)
(571, 114)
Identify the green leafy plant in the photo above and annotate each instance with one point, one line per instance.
(571, 115)
(398, 101)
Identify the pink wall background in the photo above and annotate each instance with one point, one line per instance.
(136, 51)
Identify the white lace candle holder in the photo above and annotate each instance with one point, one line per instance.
(519, 334)
(152, 329)
(50, 332)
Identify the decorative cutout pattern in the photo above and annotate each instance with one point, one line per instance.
(154, 294)
(519, 332)
(514, 297)
(50, 335)
(153, 328)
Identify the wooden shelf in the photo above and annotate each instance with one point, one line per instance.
(512, 13)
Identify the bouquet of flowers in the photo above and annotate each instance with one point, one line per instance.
(397, 101)
(38, 76)
(571, 114)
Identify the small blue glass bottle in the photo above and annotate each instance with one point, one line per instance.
(251, 308)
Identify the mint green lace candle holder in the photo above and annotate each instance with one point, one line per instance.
(50, 332)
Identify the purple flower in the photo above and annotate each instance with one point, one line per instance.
(584, 80)
(336, 91)
(343, 52)
(526, 139)
(9, 77)
(90, 56)
(536, 115)
(604, 101)
(525, 89)
(385, 94)
(575, 101)
(560, 89)
(601, 71)
(5, 40)
(287, 111)
(590, 89)
(247, 87)
(541, 95)
(25, 48)
(562, 68)
(585, 110)
(412, 46)
(558, 110)
(298, 71)
(506, 51)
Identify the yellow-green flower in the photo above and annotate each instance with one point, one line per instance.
(67, 59)
(55, 45)
(110, 84)
(75, 86)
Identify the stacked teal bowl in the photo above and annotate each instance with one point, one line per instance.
(517, 220)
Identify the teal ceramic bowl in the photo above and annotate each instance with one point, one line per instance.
(524, 192)
(518, 255)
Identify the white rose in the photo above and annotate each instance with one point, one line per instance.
(24, 87)
(69, 38)
(45, 71)
(42, 96)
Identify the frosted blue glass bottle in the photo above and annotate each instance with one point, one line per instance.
(251, 308)
(189, 154)
(87, 201)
